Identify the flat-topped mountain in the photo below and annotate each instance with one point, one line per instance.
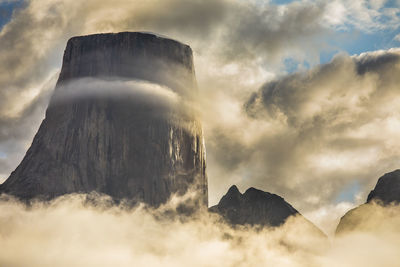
(131, 55)
(126, 143)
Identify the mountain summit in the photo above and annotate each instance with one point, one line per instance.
(387, 189)
(110, 126)
(254, 207)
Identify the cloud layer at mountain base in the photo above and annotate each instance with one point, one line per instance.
(70, 231)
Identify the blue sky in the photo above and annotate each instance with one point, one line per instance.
(349, 192)
(353, 40)
(6, 10)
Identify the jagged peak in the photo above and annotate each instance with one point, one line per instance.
(233, 190)
(254, 207)
(252, 190)
(254, 193)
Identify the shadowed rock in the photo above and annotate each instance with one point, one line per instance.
(254, 207)
(126, 146)
(387, 189)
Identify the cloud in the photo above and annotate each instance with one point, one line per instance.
(140, 95)
(34, 39)
(268, 32)
(136, 90)
(17, 131)
(308, 136)
(364, 15)
(371, 217)
(70, 231)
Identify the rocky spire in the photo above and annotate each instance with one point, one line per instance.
(129, 144)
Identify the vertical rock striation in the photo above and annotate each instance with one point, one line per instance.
(128, 146)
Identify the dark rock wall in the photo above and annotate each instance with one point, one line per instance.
(260, 209)
(131, 55)
(118, 146)
(254, 207)
(387, 189)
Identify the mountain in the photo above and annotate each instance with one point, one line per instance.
(110, 126)
(256, 208)
(370, 215)
(387, 189)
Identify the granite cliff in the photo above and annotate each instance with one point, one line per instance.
(122, 145)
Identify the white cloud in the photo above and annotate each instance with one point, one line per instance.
(365, 15)
(397, 38)
(71, 232)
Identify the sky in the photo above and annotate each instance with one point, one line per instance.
(305, 92)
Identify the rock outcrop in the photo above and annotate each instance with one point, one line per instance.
(369, 215)
(256, 208)
(128, 145)
(387, 189)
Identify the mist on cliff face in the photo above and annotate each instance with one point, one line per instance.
(137, 92)
(142, 96)
(75, 231)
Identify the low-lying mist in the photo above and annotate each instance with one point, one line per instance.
(142, 98)
(72, 231)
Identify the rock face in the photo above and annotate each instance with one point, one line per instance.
(386, 191)
(262, 209)
(125, 145)
(254, 207)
